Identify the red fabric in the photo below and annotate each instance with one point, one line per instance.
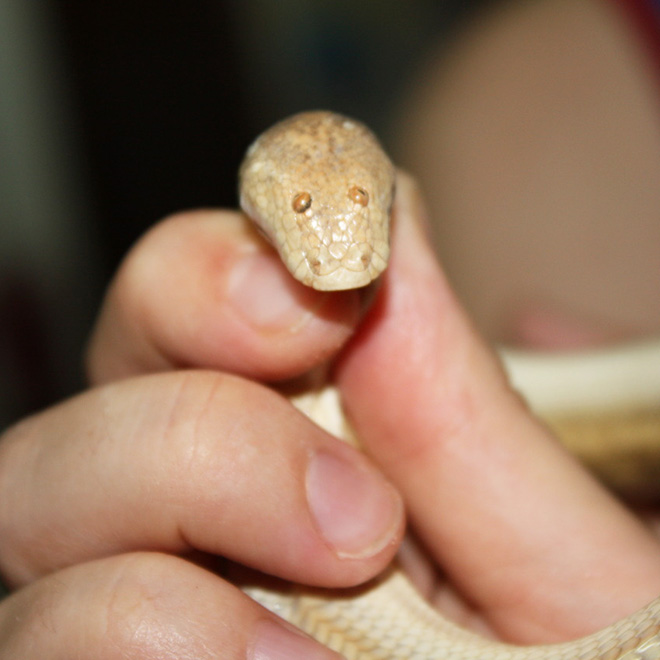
(645, 18)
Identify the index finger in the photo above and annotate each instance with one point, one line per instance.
(202, 289)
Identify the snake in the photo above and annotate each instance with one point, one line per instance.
(320, 187)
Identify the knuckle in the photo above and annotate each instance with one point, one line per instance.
(190, 407)
(212, 439)
(149, 612)
(139, 586)
(206, 423)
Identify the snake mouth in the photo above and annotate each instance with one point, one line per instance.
(336, 267)
(350, 268)
(339, 279)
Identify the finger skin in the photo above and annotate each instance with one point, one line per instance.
(142, 606)
(202, 289)
(182, 461)
(530, 539)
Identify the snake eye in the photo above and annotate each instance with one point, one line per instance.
(301, 202)
(358, 195)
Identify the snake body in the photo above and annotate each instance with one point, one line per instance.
(320, 187)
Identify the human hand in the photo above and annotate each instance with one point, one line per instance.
(522, 543)
(502, 543)
(112, 504)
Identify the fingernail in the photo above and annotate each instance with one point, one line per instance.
(266, 295)
(275, 642)
(355, 509)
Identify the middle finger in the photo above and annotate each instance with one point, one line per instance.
(201, 289)
(191, 460)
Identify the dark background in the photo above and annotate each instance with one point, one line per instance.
(149, 106)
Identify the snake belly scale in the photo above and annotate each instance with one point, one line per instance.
(320, 187)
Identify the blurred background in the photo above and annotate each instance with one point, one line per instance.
(115, 114)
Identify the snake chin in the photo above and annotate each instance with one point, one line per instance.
(340, 279)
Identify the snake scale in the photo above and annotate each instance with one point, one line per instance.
(320, 187)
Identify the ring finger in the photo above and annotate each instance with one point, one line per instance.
(144, 606)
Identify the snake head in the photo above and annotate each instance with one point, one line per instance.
(320, 187)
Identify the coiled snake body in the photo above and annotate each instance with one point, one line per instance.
(320, 187)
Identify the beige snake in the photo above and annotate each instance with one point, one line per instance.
(320, 187)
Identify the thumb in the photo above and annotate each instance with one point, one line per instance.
(527, 536)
